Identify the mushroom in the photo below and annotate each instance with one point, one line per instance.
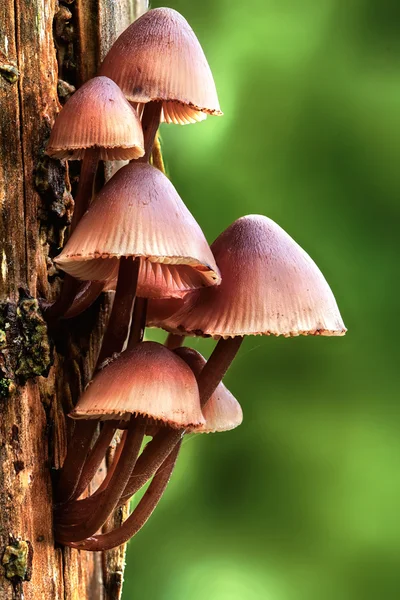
(146, 381)
(270, 286)
(96, 123)
(139, 214)
(160, 66)
(158, 58)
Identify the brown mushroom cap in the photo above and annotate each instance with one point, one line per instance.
(97, 115)
(159, 58)
(138, 213)
(270, 286)
(222, 411)
(148, 380)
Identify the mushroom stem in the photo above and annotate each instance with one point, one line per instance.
(109, 499)
(82, 201)
(77, 451)
(150, 123)
(111, 469)
(139, 516)
(174, 340)
(85, 187)
(87, 294)
(118, 324)
(95, 457)
(138, 322)
(217, 365)
(113, 341)
(149, 461)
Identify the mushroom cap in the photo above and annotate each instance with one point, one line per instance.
(138, 213)
(97, 115)
(222, 411)
(148, 380)
(159, 58)
(270, 286)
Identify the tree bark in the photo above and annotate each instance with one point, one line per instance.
(47, 48)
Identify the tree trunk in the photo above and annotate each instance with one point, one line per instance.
(46, 49)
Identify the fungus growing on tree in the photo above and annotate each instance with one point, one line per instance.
(139, 214)
(147, 382)
(96, 123)
(159, 59)
(139, 238)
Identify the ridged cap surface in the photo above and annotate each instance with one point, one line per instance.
(270, 286)
(138, 213)
(148, 380)
(97, 115)
(159, 58)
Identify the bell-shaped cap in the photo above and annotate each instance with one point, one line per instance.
(222, 411)
(97, 115)
(148, 380)
(138, 213)
(159, 58)
(270, 286)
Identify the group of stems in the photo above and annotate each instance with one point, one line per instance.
(78, 520)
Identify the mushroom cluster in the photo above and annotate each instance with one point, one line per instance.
(137, 237)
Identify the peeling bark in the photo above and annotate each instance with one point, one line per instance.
(41, 376)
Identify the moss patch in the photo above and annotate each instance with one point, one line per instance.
(17, 559)
(34, 356)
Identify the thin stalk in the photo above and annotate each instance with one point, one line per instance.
(139, 516)
(149, 461)
(77, 451)
(138, 322)
(111, 469)
(95, 457)
(150, 123)
(117, 484)
(113, 341)
(217, 365)
(87, 294)
(82, 201)
(85, 187)
(120, 318)
(174, 340)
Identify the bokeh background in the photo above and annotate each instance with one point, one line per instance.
(302, 501)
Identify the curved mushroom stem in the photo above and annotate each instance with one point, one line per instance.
(113, 341)
(120, 318)
(82, 201)
(111, 469)
(149, 461)
(96, 455)
(139, 516)
(87, 294)
(76, 454)
(150, 124)
(217, 365)
(85, 187)
(174, 340)
(112, 494)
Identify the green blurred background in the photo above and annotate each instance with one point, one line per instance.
(300, 502)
